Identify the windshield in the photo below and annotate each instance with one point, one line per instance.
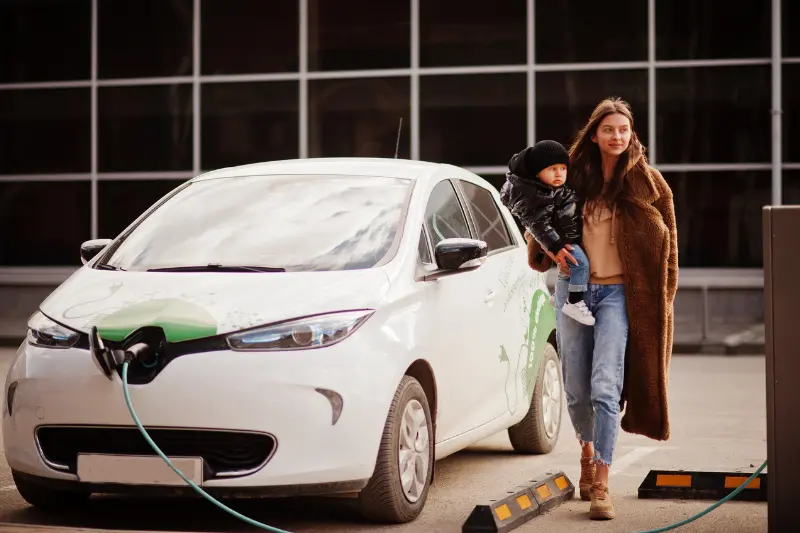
(296, 223)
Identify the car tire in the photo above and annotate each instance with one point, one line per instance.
(48, 498)
(537, 433)
(384, 499)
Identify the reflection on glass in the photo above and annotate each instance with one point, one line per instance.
(455, 33)
(489, 222)
(444, 218)
(423, 248)
(565, 100)
(791, 37)
(145, 128)
(713, 114)
(472, 119)
(359, 117)
(267, 30)
(120, 202)
(712, 29)
(790, 179)
(45, 131)
(144, 38)
(496, 180)
(791, 112)
(32, 37)
(44, 223)
(583, 32)
(359, 34)
(719, 217)
(248, 122)
(299, 223)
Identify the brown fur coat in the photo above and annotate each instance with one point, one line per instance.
(648, 245)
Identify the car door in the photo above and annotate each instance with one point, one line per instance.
(456, 308)
(506, 277)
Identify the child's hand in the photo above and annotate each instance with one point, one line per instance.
(562, 257)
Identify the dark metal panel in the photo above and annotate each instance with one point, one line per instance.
(781, 226)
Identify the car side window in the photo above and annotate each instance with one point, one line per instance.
(444, 218)
(423, 249)
(489, 221)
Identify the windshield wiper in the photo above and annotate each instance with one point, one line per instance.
(106, 266)
(215, 267)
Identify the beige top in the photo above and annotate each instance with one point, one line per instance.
(600, 245)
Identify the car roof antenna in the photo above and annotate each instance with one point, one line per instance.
(397, 146)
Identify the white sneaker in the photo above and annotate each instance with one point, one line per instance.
(579, 312)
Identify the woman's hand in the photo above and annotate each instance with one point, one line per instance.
(562, 257)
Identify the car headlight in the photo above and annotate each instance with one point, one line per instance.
(46, 333)
(302, 334)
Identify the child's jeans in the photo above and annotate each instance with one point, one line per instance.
(578, 274)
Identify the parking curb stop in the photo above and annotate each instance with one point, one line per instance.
(520, 505)
(698, 485)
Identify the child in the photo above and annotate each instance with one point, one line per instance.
(536, 193)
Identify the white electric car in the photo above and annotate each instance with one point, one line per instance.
(315, 327)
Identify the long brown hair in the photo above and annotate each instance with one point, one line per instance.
(586, 165)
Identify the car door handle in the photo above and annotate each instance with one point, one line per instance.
(489, 297)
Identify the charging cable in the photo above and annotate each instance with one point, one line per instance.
(129, 357)
(204, 494)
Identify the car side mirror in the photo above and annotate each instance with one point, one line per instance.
(458, 255)
(91, 248)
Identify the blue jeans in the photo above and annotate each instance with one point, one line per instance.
(593, 364)
(578, 274)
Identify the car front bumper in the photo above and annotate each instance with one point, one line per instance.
(277, 394)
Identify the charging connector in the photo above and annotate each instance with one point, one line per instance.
(143, 353)
(107, 359)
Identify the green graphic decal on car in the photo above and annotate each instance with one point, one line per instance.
(542, 321)
(179, 319)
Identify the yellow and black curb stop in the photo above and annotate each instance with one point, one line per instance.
(520, 505)
(686, 485)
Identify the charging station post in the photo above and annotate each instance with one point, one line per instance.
(781, 227)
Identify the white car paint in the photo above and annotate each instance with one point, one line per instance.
(456, 325)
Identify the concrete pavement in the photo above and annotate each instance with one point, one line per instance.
(717, 409)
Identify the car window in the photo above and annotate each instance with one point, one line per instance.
(296, 222)
(488, 220)
(444, 218)
(423, 249)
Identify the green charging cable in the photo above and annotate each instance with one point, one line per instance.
(252, 522)
(169, 463)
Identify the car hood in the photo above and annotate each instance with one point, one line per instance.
(195, 305)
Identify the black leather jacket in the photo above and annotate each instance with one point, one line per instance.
(552, 216)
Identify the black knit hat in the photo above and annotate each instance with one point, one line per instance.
(544, 154)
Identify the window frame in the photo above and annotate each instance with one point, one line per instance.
(512, 241)
(430, 267)
(423, 234)
(463, 202)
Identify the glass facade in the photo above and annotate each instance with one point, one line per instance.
(106, 105)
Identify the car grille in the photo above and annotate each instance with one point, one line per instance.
(225, 453)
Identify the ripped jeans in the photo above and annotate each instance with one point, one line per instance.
(593, 364)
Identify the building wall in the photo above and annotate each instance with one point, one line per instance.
(105, 105)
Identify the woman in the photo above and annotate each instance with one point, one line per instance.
(630, 238)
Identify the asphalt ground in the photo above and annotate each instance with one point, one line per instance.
(718, 420)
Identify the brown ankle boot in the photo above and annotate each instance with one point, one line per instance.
(602, 507)
(587, 478)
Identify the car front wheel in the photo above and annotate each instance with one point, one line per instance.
(538, 431)
(397, 491)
